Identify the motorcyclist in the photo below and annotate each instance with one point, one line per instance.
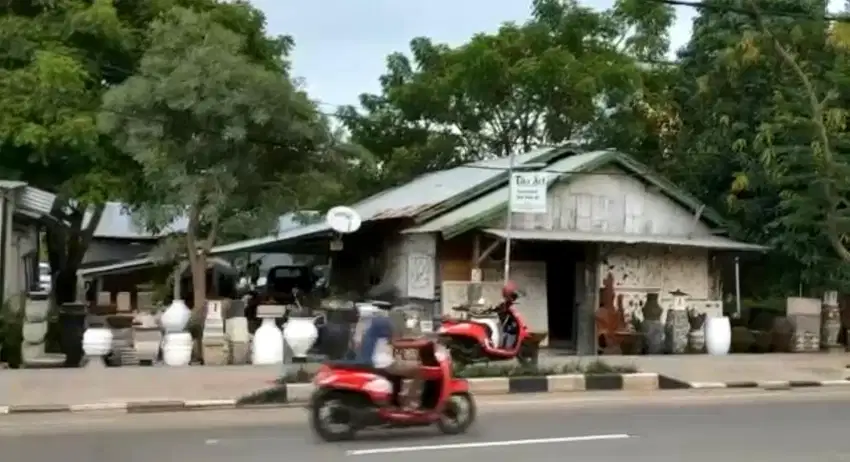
(376, 350)
(507, 321)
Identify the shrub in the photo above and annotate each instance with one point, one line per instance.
(596, 367)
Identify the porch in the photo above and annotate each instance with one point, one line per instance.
(562, 274)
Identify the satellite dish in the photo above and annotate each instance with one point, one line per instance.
(344, 220)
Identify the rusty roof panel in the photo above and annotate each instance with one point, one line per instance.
(403, 212)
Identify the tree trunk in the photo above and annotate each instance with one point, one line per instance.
(199, 282)
(66, 247)
(197, 257)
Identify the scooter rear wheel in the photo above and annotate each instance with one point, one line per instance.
(458, 414)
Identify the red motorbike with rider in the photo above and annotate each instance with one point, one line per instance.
(475, 338)
(353, 395)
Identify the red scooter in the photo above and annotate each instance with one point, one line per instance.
(473, 340)
(350, 396)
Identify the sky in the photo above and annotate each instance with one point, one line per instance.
(341, 45)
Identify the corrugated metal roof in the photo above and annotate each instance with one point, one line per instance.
(138, 263)
(117, 222)
(11, 184)
(709, 242)
(285, 235)
(36, 201)
(429, 190)
(499, 197)
(408, 200)
(293, 232)
(30, 201)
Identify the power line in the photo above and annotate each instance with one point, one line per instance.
(704, 5)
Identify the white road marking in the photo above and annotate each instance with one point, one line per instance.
(486, 444)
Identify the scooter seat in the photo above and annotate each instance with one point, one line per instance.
(356, 366)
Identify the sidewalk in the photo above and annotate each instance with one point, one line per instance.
(43, 387)
(741, 367)
(130, 384)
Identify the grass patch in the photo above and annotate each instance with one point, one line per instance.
(271, 395)
(594, 367)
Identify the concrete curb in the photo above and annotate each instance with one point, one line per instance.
(296, 394)
(669, 383)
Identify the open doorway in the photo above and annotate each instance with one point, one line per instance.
(561, 264)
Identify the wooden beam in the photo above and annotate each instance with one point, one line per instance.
(476, 250)
(492, 247)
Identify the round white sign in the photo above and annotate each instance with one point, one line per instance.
(343, 220)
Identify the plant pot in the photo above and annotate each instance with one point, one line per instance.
(742, 340)
(718, 335)
(782, 335)
(632, 344)
(97, 341)
(177, 349)
(696, 341)
(676, 328)
(653, 334)
(267, 346)
(176, 317)
(300, 334)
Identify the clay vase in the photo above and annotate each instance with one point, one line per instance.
(653, 328)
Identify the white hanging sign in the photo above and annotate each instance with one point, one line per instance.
(528, 192)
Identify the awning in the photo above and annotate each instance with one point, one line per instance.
(712, 242)
(268, 244)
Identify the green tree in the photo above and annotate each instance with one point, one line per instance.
(48, 135)
(526, 85)
(807, 144)
(57, 61)
(222, 140)
(739, 105)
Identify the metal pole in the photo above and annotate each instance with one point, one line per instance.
(509, 217)
(737, 286)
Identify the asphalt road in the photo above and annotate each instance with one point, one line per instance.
(689, 426)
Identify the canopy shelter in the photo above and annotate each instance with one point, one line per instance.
(713, 242)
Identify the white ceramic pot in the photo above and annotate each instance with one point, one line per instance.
(367, 310)
(177, 349)
(267, 346)
(718, 335)
(176, 317)
(97, 341)
(300, 334)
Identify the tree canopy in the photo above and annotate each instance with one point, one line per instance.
(187, 108)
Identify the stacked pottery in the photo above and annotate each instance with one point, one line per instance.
(676, 326)
(830, 321)
(177, 344)
(696, 335)
(653, 328)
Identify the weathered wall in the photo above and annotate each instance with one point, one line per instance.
(611, 201)
(641, 269)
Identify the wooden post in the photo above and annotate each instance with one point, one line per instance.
(473, 289)
(586, 312)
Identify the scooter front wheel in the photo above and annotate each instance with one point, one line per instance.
(458, 414)
(331, 417)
